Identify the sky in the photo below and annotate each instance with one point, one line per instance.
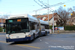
(13, 7)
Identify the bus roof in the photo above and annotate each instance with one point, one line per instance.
(44, 22)
(21, 16)
(31, 18)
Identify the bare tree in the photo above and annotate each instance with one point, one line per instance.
(5, 16)
(73, 14)
(63, 14)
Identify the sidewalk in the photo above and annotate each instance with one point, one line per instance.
(56, 31)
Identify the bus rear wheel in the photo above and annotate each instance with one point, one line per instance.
(39, 34)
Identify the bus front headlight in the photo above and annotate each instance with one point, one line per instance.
(29, 36)
(7, 36)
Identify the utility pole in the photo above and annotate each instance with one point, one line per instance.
(47, 7)
(53, 22)
(48, 11)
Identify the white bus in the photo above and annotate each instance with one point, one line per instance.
(44, 27)
(24, 28)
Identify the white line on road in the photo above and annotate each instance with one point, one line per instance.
(46, 42)
(50, 46)
(39, 39)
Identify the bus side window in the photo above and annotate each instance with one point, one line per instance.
(32, 27)
(42, 28)
(36, 27)
(46, 27)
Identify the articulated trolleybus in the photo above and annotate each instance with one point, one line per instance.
(25, 28)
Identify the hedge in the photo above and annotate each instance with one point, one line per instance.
(1, 29)
(66, 27)
(50, 27)
(69, 27)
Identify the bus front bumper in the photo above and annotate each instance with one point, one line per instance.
(18, 39)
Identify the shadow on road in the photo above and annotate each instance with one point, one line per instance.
(23, 42)
(1, 47)
(29, 42)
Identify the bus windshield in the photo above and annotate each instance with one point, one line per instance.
(17, 27)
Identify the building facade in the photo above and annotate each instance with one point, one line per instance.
(2, 21)
(71, 21)
(45, 18)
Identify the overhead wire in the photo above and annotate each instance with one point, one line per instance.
(46, 7)
(38, 3)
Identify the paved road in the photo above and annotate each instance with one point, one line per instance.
(49, 42)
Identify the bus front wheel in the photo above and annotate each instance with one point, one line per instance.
(45, 33)
(33, 36)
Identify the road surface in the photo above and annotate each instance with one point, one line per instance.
(64, 41)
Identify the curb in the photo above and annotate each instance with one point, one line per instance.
(62, 31)
(2, 32)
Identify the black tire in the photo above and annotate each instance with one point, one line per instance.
(39, 34)
(33, 36)
(45, 33)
